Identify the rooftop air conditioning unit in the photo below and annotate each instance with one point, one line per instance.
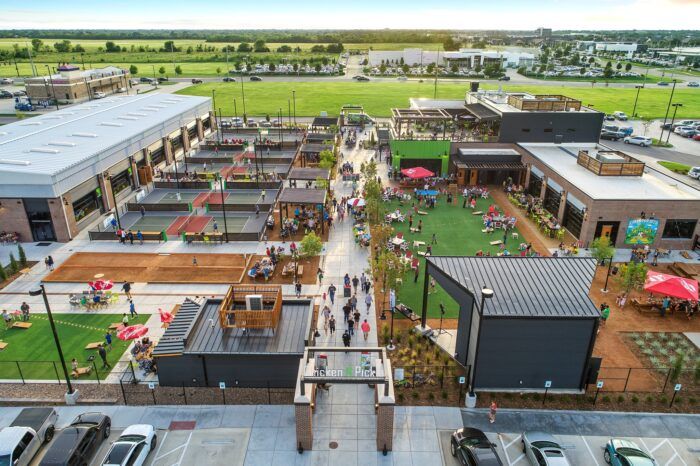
(254, 302)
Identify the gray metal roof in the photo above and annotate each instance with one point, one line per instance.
(299, 173)
(289, 337)
(302, 196)
(526, 286)
(54, 152)
(175, 336)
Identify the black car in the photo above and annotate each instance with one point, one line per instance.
(362, 78)
(612, 135)
(471, 447)
(228, 79)
(78, 443)
(162, 79)
(504, 78)
(5, 94)
(608, 117)
(255, 78)
(146, 79)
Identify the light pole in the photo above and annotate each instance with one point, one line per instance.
(294, 99)
(486, 293)
(634, 109)
(42, 291)
(675, 109)
(223, 205)
(607, 276)
(53, 89)
(155, 80)
(668, 108)
(245, 117)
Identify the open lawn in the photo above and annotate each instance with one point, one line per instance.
(458, 233)
(379, 97)
(36, 351)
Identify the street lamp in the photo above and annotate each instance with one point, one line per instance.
(392, 305)
(486, 293)
(42, 291)
(634, 109)
(245, 117)
(294, 99)
(53, 89)
(675, 109)
(223, 204)
(668, 108)
(607, 276)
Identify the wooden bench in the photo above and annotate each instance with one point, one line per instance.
(417, 244)
(150, 236)
(290, 271)
(644, 307)
(422, 212)
(478, 212)
(22, 325)
(81, 371)
(414, 230)
(92, 346)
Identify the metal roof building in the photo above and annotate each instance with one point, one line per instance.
(539, 324)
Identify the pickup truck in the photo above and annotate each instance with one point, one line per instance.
(20, 442)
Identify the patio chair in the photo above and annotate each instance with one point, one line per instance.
(399, 235)
(114, 298)
(404, 246)
(401, 218)
(409, 254)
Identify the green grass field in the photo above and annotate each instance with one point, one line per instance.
(36, 350)
(459, 234)
(379, 97)
(675, 167)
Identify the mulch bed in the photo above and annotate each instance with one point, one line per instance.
(14, 276)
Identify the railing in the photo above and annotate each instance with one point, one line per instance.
(258, 319)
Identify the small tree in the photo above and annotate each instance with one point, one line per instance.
(218, 70)
(601, 249)
(14, 268)
(632, 275)
(3, 273)
(628, 67)
(133, 69)
(178, 70)
(327, 159)
(161, 70)
(677, 367)
(321, 183)
(22, 256)
(310, 246)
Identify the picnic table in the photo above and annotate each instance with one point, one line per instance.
(429, 192)
(289, 270)
(115, 326)
(642, 306)
(417, 244)
(478, 212)
(396, 241)
(3, 345)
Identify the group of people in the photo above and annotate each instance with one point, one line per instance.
(125, 235)
(9, 237)
(23, 312)
(141, 352)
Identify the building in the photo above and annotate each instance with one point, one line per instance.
(544, 33)
(72, 86)
(464, 58)
(538, 325)
(523, 117)
(59, 172)
(591, 46)
(477, 163)
(595, 191)
(227, 341)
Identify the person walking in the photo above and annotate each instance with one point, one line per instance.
(346, 311)
(319, 273)
(363, 281)
(297, 288)
(142, 209)
(368, 285)
(346, 339)
(126, 288)
(7, 318)
(604, 313)
(46, 263)
(492, 411)
(368, 302)
(262, 195)
(130, 236)
(108, 340)
(353, 302)
(331, 293)
(356, 318)
(132, 309)
(194, 261)
(25, 311)
(351, 327)
(326, 313)
(139, 236)
(331, 324)
(50, 262)
(216, 228)
(355, 282)
(434, 239)
(365, 329)
(103, 355)
(125, 320)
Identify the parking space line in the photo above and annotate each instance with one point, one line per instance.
(675, 454)
(657, 446)
(588, 447)
(513, 441)
(505, 449)
(517, 460)
(182, 455)
(647, 448)
(169, 452)
(160, 445)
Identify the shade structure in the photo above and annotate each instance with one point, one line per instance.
(417, 172)
(132, 332)
(356, 202)
(671, 285)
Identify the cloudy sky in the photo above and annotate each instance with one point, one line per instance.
(333, 14)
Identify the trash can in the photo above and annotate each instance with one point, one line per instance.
(346, 291)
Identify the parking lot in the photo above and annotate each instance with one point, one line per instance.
(586, 450)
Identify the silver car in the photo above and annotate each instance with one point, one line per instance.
(543, 449)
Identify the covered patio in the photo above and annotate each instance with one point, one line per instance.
(405, 119)
(311, 152)
(313, 198)
(308, 175)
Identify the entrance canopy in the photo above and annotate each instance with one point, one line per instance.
(671, 285)
(417, 172)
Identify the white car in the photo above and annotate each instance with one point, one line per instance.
(402, 78)
(99, 95)
(693, 84)
(541, 448)
(132, 447)
(687, 131)
(694, 173)
(640, 141)
(622, 116)
(6, 81)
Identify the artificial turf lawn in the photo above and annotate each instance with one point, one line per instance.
(458, 233)
(378, 98)
(36, 349)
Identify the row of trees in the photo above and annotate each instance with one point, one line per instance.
(15, 265)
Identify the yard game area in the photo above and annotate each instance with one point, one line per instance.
(152, 268)
(458, 233)
(36, 351)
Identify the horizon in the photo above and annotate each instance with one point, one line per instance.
(453, 15)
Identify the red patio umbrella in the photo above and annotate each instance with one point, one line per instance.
(417, 172)
(671, 285)
(132, 332)
(165, 316)
(100, 285)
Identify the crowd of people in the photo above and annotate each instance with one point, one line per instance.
(9, 237)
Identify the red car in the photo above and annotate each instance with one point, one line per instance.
(696, 137)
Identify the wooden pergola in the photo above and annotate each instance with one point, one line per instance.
(308, 174)
(312, 149)
(301, 196)
(408, 116)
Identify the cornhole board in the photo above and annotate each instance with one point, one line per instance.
(115, 326)
(92, 346)
(83, 371)
(478, 212)
(496, 243)
(22, 325)
(3, 345)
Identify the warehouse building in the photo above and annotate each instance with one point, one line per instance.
(61, 171)
(72, 85)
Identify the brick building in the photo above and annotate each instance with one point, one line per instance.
(61, 171)
(74, 86)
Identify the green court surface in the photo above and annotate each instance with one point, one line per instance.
(243, 198)
(233, 224)
(36, 350)
(458, 233)
(172, 198)
(153, 223)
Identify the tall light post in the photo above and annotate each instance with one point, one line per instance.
(670, 130)
(223, 204)
(245, 117)
(155, 80)
(114, 200)
(668, 108)
(486, 293)
(294, 99)
(607, 275)
(634, 109)
(42, 291)
(53, 89)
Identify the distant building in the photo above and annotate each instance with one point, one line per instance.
(590, 46)
(464, 58)
(544, 33)
(71, 85)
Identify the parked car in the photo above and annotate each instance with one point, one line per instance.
(612, 135)
(687, 131)
(401, 78)
(98, 95)
(197, 81)
(694, 173)
(662, 83)
(19, 93)
(162, 79)
(276, 123)
(620, 452)
(20, 442)
(625, 130)
(255, 78)
(132, 447)
(77, 443)
(121, 90)
(134, 82)
(237, 122)
(622, 116)
(696, 137)
(146, 79)
(362, 78)
(608, 117)
(225, 124)
(252, 123)
(5, 94)
(229, 79)
(265, 124)
(504, 78)
(6, 81)
(683, 123)
(471, 447)
(542, 449)
(640, 141)
(693, 84)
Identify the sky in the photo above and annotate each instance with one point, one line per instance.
(358, 14)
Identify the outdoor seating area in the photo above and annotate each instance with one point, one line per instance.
(545, 220)
(668, 294)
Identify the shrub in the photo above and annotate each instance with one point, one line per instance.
(656, 344)
(696, 373)
(605, 399)
(649, 399)
(400, 397)
(428, 360)
(678, 400)
(634, 335)
(662, 336)
(414, 394)
(663, 399)
(621, 398)
(385, 334)
(22, 256)
(648, 335)
(663, 351)
(647, 351)
(443, 394)
(692, 400)
(508, 396)
(411, 341)
(398, 337)
(3, 273)
(635, 399)
(431, 396)
(14, 268)
(640, 342)
(670, 344)
(677, 368)
(536, 396)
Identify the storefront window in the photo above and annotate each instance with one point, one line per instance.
(121, 181)
(679, 229)
(157, 156)
(176, 143)
(535, 186)
(192, 133)
(86, 205)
